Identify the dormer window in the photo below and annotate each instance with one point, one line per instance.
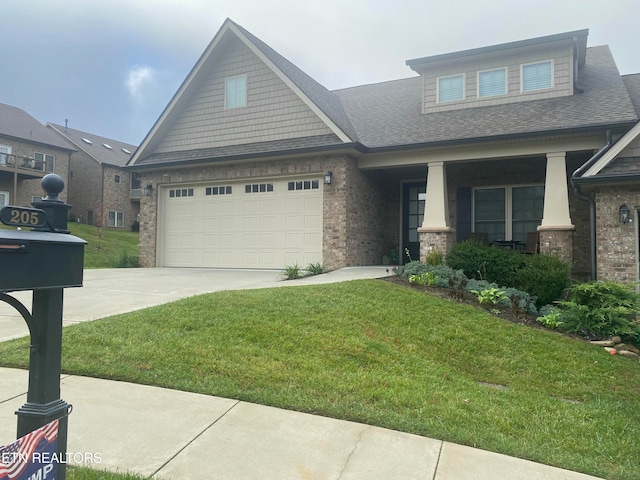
(492, 82)
(450, 89)
(235, 92)
(537, 76)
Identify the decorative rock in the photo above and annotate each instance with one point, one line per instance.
(612, 351)
(616, 339)
(603, 343)
(624, 346)
(628, 354)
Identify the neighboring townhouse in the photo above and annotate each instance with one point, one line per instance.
(611, 183)
(28, 152)
(101, 193)
(253, 164)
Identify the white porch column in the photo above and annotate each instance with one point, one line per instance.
(556, 194)
(436, 208)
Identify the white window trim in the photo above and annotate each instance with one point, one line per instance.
(508, 206)
(8, 152)
(44, 160)
(506, 82)
(115, 219)
(7, 197)
(553, 75)
(226, 107)
(464, 89)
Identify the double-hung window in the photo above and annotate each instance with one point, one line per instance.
(4, 150)
(508, 213)
(235, 92)
(44, 162)
(116, 219)
(537, 76)
(492, 82)
(450, 89)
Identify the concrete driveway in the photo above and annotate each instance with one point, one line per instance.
(107, 292)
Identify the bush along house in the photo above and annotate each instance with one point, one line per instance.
(253, 164)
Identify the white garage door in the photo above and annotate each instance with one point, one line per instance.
(257, 224)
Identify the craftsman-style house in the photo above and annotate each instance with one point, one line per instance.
(253, 164)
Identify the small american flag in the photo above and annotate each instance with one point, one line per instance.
(16, 457)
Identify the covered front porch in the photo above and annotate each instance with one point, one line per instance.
(502, 200)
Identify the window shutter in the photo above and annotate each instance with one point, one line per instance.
(463, 213)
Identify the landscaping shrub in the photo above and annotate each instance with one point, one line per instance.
(602, 310)
(543, 276)
(412, 268)
(486, 263)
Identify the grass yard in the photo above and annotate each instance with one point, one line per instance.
(106, 247)
(383, 354)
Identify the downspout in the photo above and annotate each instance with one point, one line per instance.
(576, 80)
(592, 203)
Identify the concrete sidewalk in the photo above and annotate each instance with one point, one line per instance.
(168, 434)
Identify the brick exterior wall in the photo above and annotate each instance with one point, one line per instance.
(362, 209)
(117, 196)
(93, 188)
(85, 193)
(31, 187)
(436, 242)
(558, 243)
(355, 205)
(617, 243)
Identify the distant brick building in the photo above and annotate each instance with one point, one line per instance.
(101, 193)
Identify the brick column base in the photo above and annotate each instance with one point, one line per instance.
(559, 243)
(435, 240)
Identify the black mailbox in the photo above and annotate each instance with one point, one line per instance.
(46, 259)
(36, 260)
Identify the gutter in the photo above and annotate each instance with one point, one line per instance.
(589, 199)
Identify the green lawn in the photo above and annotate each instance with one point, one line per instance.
(106, 247)
(379, 353)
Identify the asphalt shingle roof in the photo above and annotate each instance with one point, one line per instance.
(632, 82)
(115, 156)
(16, 123)
(389, 114)
(248, 149)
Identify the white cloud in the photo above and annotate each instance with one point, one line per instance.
(137, 79)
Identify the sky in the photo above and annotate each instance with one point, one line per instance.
(111, 67)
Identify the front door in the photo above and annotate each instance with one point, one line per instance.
(412, 213)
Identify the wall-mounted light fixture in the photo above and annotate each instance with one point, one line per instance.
(625, 214)
(327, 178)
(148, 189)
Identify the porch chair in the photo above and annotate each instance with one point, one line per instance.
(533, 243)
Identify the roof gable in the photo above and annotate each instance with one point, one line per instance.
(191, 113)
(101, 149)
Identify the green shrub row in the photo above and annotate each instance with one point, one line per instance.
(543, 276)
(446, 277)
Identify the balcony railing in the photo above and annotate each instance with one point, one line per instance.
(23, 163)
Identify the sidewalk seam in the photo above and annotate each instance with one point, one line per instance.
(193, 439)
(435, 470)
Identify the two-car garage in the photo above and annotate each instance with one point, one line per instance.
(266, 223)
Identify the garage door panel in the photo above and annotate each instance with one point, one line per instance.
(269, 228)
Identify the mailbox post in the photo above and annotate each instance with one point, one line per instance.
(45, 260)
